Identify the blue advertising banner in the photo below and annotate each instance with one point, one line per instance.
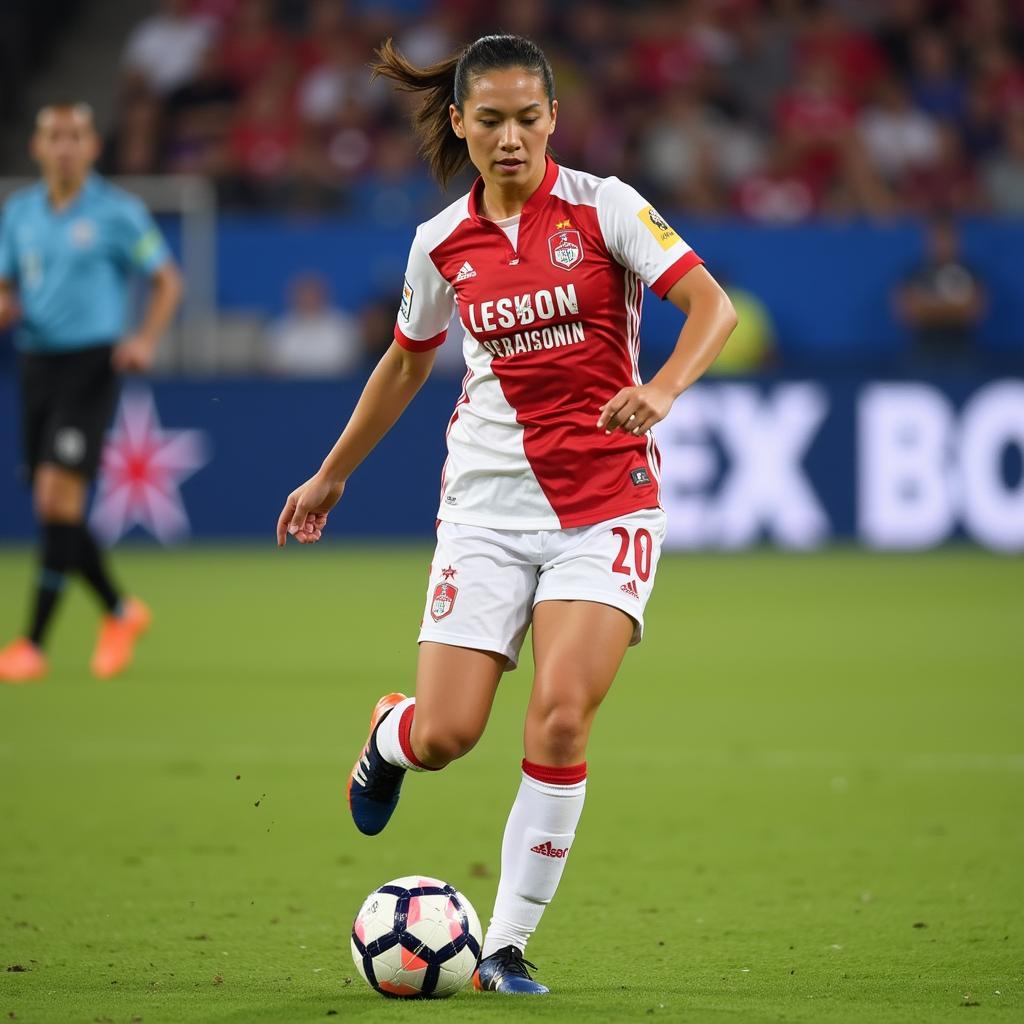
(798, 463)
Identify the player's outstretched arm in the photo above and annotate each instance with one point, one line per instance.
(710, 319)
(391, 387)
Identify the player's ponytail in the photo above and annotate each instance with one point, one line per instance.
(449, 82)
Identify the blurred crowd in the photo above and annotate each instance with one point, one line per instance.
(771, 110)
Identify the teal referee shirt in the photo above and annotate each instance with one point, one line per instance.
(73, 267)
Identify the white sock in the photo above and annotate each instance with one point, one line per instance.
(393, 737)
(538, 837)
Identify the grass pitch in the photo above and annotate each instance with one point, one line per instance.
(806, 798)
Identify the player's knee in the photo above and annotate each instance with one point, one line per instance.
(438, 745)
(562, 732)
(57, 500)
(50, 507)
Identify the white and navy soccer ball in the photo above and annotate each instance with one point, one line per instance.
(416, 936)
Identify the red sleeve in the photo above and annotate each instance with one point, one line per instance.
(419, 346)
(676, 272)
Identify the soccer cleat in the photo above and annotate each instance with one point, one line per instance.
(505, 972)
(21, 662)
(115, 645)
(374, 785)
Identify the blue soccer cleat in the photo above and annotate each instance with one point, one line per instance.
(505, 972)
(374, 785)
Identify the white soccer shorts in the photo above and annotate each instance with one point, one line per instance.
(484, 583)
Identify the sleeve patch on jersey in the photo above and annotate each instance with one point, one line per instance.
(148, 246)
(658, 226)
(406, 309)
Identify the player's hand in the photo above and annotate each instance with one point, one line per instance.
(134, 354)
(635, 410)
(304, 515)
(10, 310)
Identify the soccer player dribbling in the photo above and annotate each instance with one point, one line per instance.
(549, 512)
(68, 248)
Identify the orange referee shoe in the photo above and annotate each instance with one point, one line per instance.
(115, 645)
(22, 662)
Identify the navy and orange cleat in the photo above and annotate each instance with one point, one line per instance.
(375, 785)
(505, 972)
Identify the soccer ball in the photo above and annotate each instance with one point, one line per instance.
(416, 936)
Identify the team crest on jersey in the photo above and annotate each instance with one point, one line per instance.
(566, 249)
(443, 601)
(83, 233)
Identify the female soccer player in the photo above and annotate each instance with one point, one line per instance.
(549, 511)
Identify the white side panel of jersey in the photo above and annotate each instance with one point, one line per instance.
(577, 187)
(434, 231)
(632, 235)
(487, 469)
(427, 298)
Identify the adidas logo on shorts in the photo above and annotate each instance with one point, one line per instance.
(630, 588)
(465, 271)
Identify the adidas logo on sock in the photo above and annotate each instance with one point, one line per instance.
(545, 849)
(465, 271)
(630, 588)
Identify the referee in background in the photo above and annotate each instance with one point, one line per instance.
(69, 246)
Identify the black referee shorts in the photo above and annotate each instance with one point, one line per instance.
(67, 403)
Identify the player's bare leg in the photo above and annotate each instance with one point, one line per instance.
(455, 689)
(578, 647)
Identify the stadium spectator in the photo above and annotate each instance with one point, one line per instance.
(936, 85)
(827, 39)
(198, 120)
(760, 66)
(678, 151)
(253, 46)
(314, 338)
(942, 300)
(897, 135)
(1003, 172)
(326, 23)
(947, 186)
(395, 188)
(263, 140)
(779, 192)
(137, 141)
(166, 49)
(815, 117)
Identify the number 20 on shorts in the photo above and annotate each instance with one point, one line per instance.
(642, 546)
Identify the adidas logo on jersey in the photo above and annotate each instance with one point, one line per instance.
(630, 588)
(545, 849)
(466, 271)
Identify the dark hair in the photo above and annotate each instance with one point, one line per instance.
(449, 81)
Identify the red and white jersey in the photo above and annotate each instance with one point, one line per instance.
(552, 327)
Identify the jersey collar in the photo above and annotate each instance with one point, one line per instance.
(87, 191)
(535, 201)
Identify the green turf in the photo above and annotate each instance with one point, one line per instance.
(806, 798)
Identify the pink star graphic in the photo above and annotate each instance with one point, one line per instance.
(142, 472)
(449, 573)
